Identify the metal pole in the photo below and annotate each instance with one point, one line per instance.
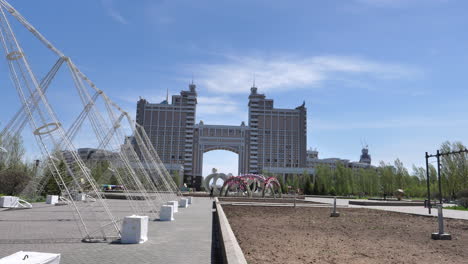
(295, 194)
(334, 205)
(441, 235)
(334, 212)
(438, 175)
(428, 184)
(441, 219)
(36, 167)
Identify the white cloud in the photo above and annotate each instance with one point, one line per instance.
(285, 73)
(159, 12)
(220, 110)
(113, 12)
(216, 105)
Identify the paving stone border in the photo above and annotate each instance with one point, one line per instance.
(231, 252)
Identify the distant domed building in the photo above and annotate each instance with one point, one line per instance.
(365, 157)
(313, 160)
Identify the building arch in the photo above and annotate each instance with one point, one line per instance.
(220, 137)
(228, 148)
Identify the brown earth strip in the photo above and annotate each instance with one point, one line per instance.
(310, 235)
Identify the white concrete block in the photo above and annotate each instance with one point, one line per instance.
(166, 213)
(175, 204)
(78, 197)
(134, 229)
(190, 199)
(183, 203)
(52, 199)
(9, 202)
(31, 258)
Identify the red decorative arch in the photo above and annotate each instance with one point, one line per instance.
(242, 183)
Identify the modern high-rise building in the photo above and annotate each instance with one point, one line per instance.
(274, 140)
(278, 137)
(170, 127)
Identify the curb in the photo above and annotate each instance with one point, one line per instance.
(231, 251)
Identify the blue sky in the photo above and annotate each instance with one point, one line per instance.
(390, 73)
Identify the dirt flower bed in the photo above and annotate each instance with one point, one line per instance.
(263, 200)
(309, 235)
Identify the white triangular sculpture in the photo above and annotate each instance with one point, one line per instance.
(28, 257)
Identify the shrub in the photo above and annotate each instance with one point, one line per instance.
(308, 187)
(51, 187)
(13, 181)
(463, 202)
(462, 194)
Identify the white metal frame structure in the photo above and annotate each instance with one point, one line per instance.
(134, 163)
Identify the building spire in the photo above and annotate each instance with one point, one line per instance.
(192, 85)
(253, 89)
(167, 95)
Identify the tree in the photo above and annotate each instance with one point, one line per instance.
(15, 152)
(98, 169)
(13, 181)
(308, 188)
(175, 177)
(315, 189)
(14, 172)
(342, 179)
(51, 186)
(401, 174)
(284, 188)
(386, 178)
(454, 169)
(324, 178)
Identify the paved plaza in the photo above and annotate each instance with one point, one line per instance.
(417, 210)
(47, 228)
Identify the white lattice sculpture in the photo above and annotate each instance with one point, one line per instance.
(135, 164)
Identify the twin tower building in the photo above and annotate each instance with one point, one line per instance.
(274, 139)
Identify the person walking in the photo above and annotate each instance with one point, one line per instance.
(211, 193)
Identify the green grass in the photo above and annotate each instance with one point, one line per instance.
(461, 208)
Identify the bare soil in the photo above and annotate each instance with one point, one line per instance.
(310, 235)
